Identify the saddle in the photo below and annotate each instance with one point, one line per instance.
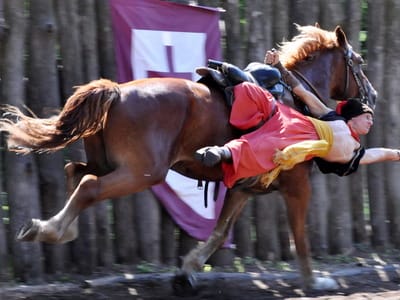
(227, 75)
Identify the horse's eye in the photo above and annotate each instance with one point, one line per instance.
(309, 58)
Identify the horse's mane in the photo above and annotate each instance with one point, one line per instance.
(310, 39)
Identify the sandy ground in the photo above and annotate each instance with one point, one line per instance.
(371, 278)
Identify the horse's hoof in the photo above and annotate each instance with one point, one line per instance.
(184, 285)
(29, 231)
(324, 284)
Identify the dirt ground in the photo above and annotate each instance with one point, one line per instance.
(369, 276)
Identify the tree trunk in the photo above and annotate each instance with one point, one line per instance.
(284, 233)
(331, 14)
(69, 68)
(69, 38)
(91, 71)
(84, 247)
(352, 27)
(186, 243)
(22, 179)
(391, 92)
(302, 12)
(339, 216)
(88, 28)
(339, 225)
(233, 31)
(357, 188)
(169, 243)
(5, 267)
(242, 233)
(267, 246)
(22, 188)
(148, 222)
(44, 99)
(376, 31)
(280, 22)
(126, 240)
(352, 23)
(3, 32)
(318, 213)
(259, 28)
(223, 257)
(105, 43)
(4, 258)
(104, 243)
(93, 215)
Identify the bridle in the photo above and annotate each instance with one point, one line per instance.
(348, 56)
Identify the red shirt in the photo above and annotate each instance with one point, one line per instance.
(252, 153)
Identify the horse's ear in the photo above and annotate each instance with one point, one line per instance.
(341, 36)
(317, 25)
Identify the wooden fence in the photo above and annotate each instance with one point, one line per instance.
(136, 228)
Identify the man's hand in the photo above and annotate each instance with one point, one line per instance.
(271, 57)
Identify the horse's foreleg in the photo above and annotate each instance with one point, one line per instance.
(295, 187)
(233, 204)
(90, 190)
(296, 190)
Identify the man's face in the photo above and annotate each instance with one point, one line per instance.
(362, 123)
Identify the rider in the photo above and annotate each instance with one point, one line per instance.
(286, 137)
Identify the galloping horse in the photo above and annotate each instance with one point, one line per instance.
(134, 132)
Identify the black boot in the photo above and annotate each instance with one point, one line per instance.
(210, 156)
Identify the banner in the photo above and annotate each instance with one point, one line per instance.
(159, 38)
(162, 39)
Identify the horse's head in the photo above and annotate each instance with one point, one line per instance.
(329, 64)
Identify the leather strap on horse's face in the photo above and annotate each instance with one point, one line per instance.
(348, 56)
(309, 84)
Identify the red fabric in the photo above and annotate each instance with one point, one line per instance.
(339, 107)
(252, 153)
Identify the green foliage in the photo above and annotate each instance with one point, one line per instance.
(146, 267)
(364, 28)
(207, 268)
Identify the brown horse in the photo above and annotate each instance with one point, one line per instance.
(134, 132)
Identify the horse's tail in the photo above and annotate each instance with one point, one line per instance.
(83, 115)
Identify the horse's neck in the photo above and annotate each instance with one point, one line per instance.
(322, 92)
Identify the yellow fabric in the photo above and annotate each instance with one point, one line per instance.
(290, 156)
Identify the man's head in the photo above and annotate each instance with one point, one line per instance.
(359, 116)
(352, 108)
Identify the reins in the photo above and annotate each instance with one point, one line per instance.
(309, 84)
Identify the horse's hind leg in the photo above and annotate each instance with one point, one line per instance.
(74, 171)
(91, 189)
(234, 202)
